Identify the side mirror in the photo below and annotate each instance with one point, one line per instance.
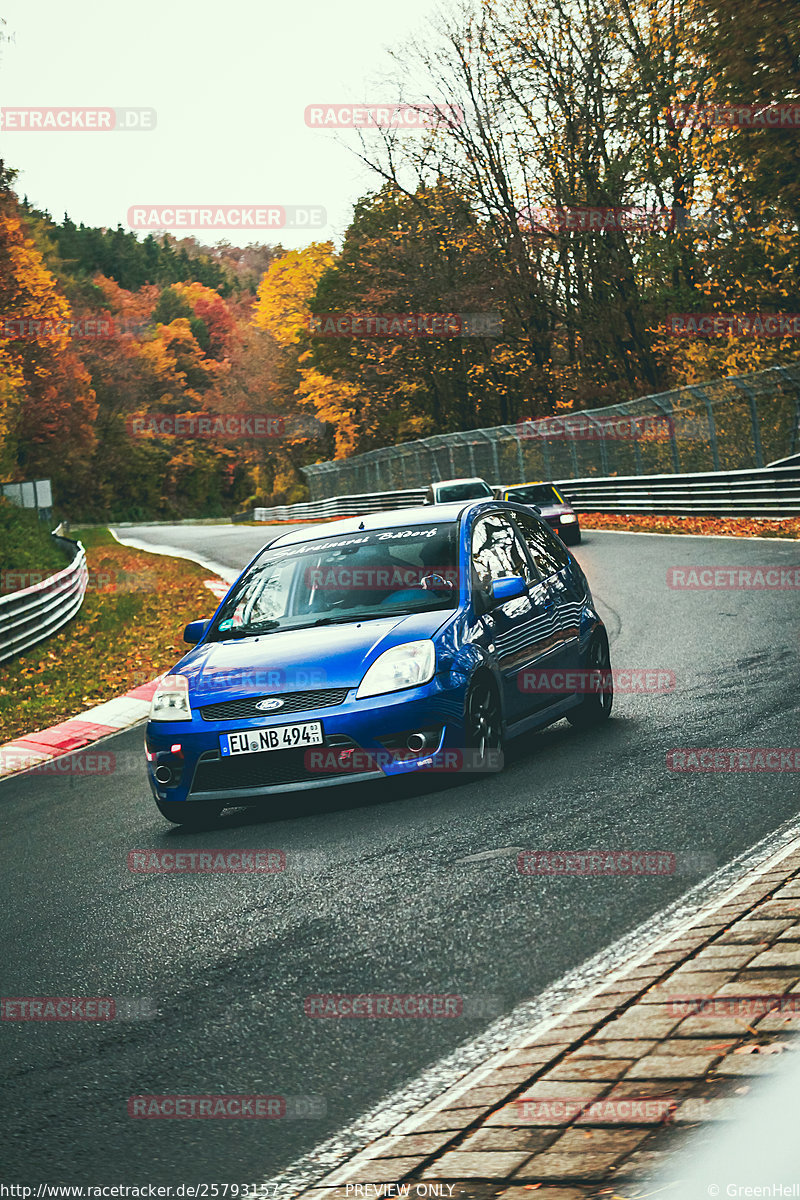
(194, 631)
(536, 509)
(508, 588)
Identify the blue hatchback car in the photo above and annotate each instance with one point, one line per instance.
(409, 641)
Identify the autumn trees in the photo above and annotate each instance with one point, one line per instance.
(99, 329)
(556, 108)
(46, 397)
(575, 104)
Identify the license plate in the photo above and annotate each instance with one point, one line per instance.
(279, 737)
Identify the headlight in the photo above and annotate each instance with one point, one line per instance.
(404, 666)
(171, 700)
(568, 518)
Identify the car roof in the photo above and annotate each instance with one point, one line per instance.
(461, 479)
(530, 483)
(423, 514)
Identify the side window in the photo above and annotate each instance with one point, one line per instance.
(496, 551)
(545, 551)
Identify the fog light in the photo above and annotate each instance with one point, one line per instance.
(163, 774)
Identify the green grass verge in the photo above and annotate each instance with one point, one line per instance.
(128, 630)
(25, 541)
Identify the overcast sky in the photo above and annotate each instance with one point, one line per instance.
(229, 83)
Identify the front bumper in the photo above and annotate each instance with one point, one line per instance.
(354, 750)
(569, 532)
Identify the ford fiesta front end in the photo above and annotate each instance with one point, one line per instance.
(353, 656)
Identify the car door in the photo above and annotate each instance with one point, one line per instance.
(519, 632)
(552, 561)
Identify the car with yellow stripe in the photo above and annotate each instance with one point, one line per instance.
(553, 508)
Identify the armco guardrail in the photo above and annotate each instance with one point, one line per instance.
(34, 613)
(762, 492)
(341, 506)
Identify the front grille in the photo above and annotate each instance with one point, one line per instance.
(236, 710)
(273, 768)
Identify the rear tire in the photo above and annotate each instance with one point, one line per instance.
(186, 812)
(596, 705)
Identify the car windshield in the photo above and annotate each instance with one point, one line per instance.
(535, 493)
(364, 575)
(463, 491)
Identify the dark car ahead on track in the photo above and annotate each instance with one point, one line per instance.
(402, 642)
(554, 509)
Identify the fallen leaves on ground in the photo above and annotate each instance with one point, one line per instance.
(789, 527)
(769, 1048)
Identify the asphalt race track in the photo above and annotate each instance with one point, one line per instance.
(376, 897)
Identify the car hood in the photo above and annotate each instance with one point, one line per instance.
(331, 656)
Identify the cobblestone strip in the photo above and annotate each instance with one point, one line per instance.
(608, 1088)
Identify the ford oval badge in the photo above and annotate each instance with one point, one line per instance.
(270, 704)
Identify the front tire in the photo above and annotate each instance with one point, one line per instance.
(595, 707)
(483, 727)
(193, 815)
